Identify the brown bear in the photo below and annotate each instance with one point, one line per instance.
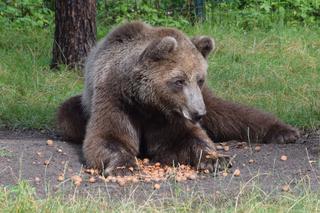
(145, 95)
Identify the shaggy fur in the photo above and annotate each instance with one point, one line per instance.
(144, 96)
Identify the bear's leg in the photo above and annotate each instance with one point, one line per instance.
(229, 121)
(185, 143)
(71, 120)
(111, 140)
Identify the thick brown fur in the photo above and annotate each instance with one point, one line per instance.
(71, 120)
(144, 96)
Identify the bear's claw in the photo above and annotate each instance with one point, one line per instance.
(215, 164)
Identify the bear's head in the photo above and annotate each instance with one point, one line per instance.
(175, 69)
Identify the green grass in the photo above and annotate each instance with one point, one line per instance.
(22, 198)
(4, 153)
(276, 70)
(30, 91)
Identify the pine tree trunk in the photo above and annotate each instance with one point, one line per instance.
(75, 32)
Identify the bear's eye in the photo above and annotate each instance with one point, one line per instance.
(179, 83)
(200, 82)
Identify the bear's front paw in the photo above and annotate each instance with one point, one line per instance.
(213, 161)
(110, 162)
(281, 133)
(121, 167)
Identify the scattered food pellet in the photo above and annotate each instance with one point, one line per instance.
(121, 181)
(241, 145)
(91, 171)
(37, 179)
(285, 188)
(178, 179)
(236, 172)
(92, 180)
(60, 178)
(39, 154)
(212, 155)
(192, 176)
(226, 148)
(224, 174)
(59, 150)
(46, 162)
(150, 173)
(147, 179)
(257, 148)
(219, 147)
(156, 186)
(77, 183)
(49, 142)
(206, 171)
(251, 161)
(284, 157)
(113, 179)
(135, 180)
(145, 161)
(76, 179)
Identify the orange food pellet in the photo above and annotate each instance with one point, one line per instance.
(49, 142)
(156, 186)
(92, 180)
(60, 178)
(237, 173)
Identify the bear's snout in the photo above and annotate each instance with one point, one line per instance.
(197, 116)
(194, 115)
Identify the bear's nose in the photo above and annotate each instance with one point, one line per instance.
(196, 116)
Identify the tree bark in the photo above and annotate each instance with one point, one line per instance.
(75, 32)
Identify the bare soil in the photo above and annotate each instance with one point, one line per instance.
(23, 155)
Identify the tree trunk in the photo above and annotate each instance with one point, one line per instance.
(75, 32)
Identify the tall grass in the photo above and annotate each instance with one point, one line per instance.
(277, 70)
(30, 91)
(22, 198)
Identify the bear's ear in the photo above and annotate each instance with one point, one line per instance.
(204, 44)
(160, 48)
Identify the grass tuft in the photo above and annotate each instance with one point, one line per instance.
(22, 198)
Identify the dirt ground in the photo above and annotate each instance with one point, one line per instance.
(22, 157)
